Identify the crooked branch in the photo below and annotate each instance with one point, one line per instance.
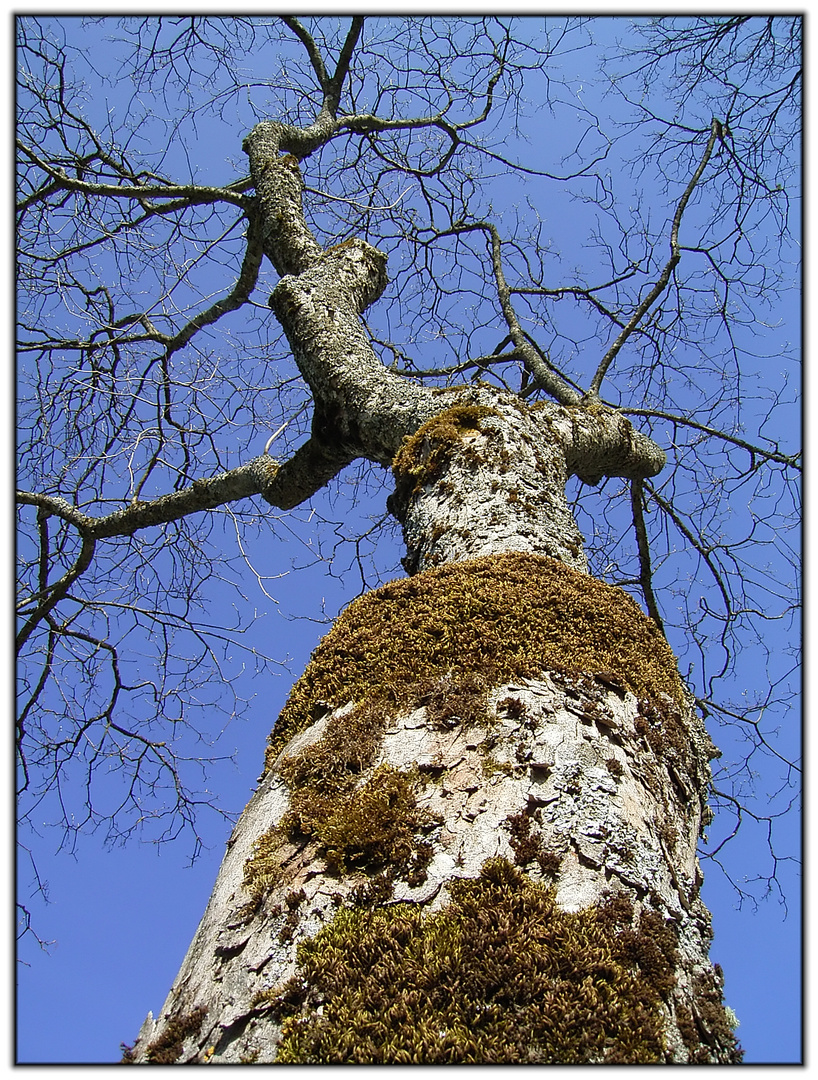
(58, 590)
(670, 265)
(546, 378)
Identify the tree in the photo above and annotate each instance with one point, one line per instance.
(475, 835)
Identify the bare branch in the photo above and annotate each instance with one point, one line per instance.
(57, 591)
(546, 378)
(308, 42)
(754, 451)
(645, 575)
(189, 194)
(342, 69)
(670, 265)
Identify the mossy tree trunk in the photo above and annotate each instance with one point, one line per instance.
(475, 841)
(475, 837)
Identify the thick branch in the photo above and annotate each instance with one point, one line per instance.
(342, 69)
(308, 42)
(310, 469)
(254, 478)
(362, 409)
(288, 242)
(602, 442)
(239, 294)
(250, 479)
(284, 486)
(331, 87)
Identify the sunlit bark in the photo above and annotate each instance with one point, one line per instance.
(589, 774)
(490, 782)
(592, 781)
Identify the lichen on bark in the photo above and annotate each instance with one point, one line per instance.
(488, 474)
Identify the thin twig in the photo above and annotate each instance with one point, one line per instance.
(351, 202)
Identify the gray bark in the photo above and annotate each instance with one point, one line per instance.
(513, 465)
(630, 827)
(565, 754)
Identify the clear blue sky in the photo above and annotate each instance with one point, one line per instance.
(122, 918)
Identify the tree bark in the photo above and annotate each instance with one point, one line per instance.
(475, 837)
(503, 723)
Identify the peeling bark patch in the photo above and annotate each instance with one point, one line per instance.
(492, 619)
(498, 976)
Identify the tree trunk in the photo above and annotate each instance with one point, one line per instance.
(475, 837)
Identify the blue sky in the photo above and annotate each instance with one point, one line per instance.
(122, 918)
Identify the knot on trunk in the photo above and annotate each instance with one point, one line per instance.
(355, 268)
(603, 442)
(338, 285)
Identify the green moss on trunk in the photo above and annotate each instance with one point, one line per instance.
(498, 976)
(362, 826)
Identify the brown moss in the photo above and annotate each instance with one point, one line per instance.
(375, 890)
(452, 699)
(528, 847)
(371, 826)
(498, 976)
(488, 620)
(513, 708)
(343, 246)
(263, 869)
(355, 825)
(662, 724)
(166, 1049)
(713, 1023)
(687, 1028)
(347, 747)
(292, 902)
(653, 949)
(423, 453)
(614, 767)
